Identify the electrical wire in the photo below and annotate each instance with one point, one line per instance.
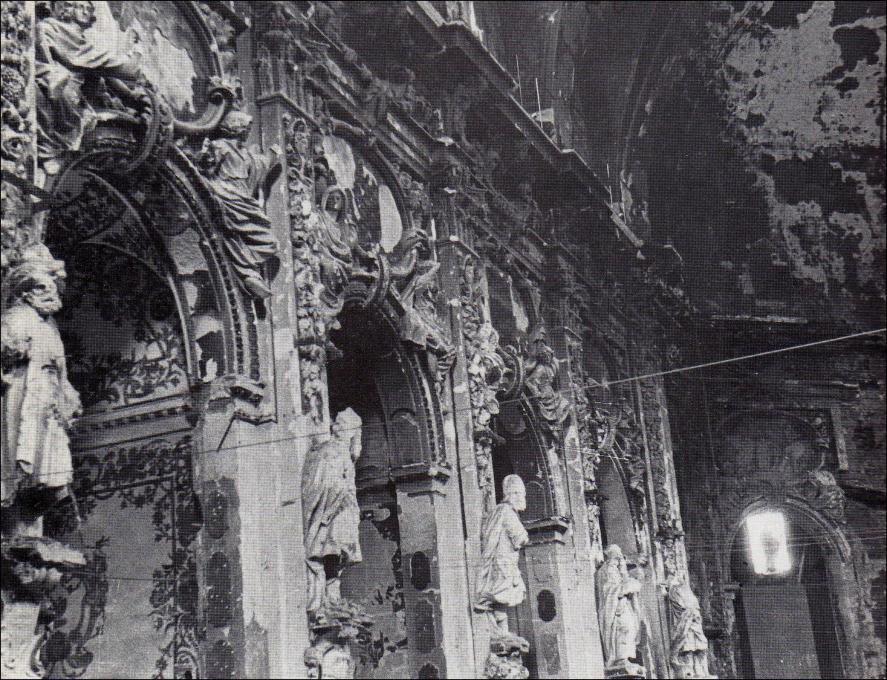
(429, 420)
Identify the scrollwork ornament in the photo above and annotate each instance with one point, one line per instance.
(486, 370)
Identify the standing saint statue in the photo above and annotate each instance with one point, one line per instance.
(619, 614)
(500, 584)
(331, 514)
(39, 404)
(237, 173)
(689, 646)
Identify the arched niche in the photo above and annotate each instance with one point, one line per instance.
(617, 482)
(163, 221)
(783, 462)
(616, 515)
(790, 623)
(154, 323)
(521, 450)
(384, 380)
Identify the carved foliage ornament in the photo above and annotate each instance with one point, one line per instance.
(91, 74)
(336, 232)
(776, 456)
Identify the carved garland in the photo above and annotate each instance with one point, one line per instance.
(486, 373)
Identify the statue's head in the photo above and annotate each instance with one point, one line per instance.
(515, 492)
(34, 280)
(236, 124)
(346, 427)
(81, 12)
(613, 552)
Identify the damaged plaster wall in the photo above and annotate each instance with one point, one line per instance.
(803, 83)
(749, 135)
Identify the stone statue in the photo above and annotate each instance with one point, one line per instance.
(39, 404)
(237, 173)
(542, 370)
(500, 584)
(689, 646)
(325, 659)
(619, 614)
(70, 64)
(331, 515)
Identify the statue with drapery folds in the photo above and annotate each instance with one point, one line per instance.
(542, 369)
(76, 70)
(39, 404)
(331, 516)
(689, 645)
(500, 584)
(619, 614)
(239, 174)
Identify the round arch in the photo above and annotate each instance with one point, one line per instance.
(164, 217)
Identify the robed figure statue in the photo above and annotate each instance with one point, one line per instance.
(39, 403)
(74, 70)
(331, 515)
(689, 646)
(619, 614)
(238, 175)
(500, 584)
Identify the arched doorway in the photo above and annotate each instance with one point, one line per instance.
(786, 607)
(398, 581)
(785, 546)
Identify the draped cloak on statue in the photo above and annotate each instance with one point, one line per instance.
(236, 176)
(687, 634)
(64, 57)
(329, 503)
(500, 583)
(38, 403)
(617, 612)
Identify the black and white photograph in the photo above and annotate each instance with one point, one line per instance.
(406, 339)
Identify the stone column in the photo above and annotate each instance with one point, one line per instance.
(669, 569)
(573, 554)
(255, 437)
(462, 285)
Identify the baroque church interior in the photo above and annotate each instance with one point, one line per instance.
(443, 339)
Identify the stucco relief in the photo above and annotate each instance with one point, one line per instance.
(777, 455)
(348, 235)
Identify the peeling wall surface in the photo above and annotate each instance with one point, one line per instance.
(749, 135)
(443, 339)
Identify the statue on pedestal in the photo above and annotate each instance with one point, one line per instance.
(331, 515)
(237, 173)
(619, 615)
(689, 646)
(500, 585)
(39, 404)
(38, 407)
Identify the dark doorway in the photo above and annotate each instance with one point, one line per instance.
(785, 611)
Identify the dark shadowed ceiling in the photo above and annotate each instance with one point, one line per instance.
(748, 135)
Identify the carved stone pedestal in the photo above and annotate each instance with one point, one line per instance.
(505, 658)
(31, 567)
(336, 634)
(625, 670)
